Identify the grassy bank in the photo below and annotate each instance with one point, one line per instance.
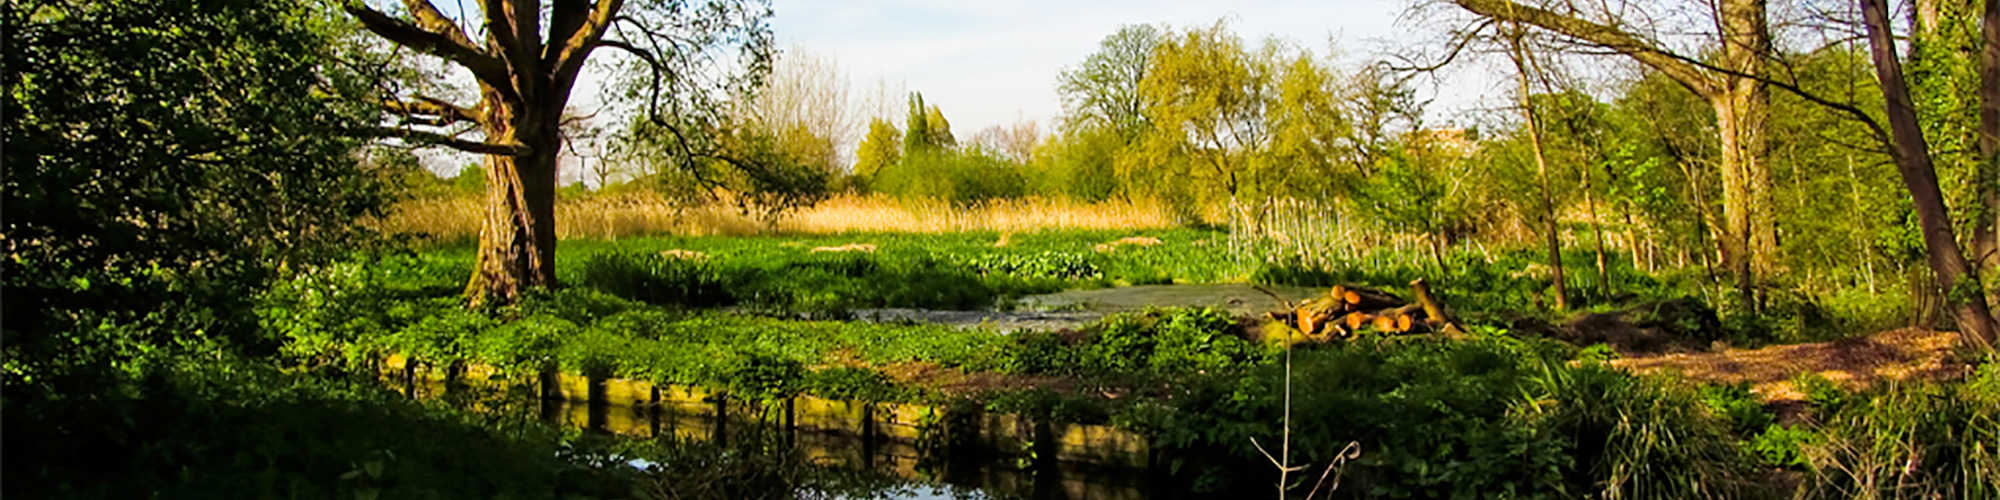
(1435, 418)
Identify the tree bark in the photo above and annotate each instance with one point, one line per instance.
(1955, 276)
(525, 74)
(1746, 100)
(1986, 242)
(517, 237)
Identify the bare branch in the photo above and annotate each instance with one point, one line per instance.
(433, 110)
(576, 47)
(434, 21)
(1610, 37)
(486, 68)
(466, 145)
(1457, 46)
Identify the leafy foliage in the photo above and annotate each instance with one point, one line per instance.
(164, 160)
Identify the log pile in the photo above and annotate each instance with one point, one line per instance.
(1345, 311)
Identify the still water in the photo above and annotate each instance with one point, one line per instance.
(958, 472)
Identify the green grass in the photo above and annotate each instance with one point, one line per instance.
(782, 274)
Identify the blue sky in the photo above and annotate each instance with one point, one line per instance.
(992, 62)
(996, 62)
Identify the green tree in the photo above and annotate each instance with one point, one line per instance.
(470, 181)
(1956, 274)
(877, 151)
(1309, 134)
(1205, 97)
(527, 67)
(164, 160)
(1735, 86)
(1078, 163)
(1421, 189)
(937, 130)
(792, 168)
(929, 131)
(162, 152)
(1104, 90)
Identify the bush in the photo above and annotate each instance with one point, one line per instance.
(241, 429)
(1171, 343)
(963, 177)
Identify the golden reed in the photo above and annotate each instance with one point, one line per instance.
(642, 214)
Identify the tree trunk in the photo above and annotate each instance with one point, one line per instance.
(1520, 54)
(1730, 236)
(1597, 232)
(1986, 242)
(1742, 246)
(1959, 281)
(517, 239)
(1741, 109)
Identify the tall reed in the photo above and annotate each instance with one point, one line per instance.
(457, 219)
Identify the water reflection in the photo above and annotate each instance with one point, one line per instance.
(961, 472)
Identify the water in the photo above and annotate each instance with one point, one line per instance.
(1038, 463)
(1077, 308)
(958, 473)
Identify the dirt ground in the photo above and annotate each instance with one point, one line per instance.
(1895, 355)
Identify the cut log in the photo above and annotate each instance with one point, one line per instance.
(1398, 319)
(1386, 324)
(1424, 298)
(1345, 310)
(1433, 311)
(1356, 320)
(1308, 324)
(1363, 299)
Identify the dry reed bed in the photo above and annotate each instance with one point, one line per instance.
(613, 217)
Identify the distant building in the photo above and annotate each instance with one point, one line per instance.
(1457, 141)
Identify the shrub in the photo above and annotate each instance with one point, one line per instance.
(1033, 352)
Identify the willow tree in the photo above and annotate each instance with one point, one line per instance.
(1735, 84)
(1205, 96)
(526, 60)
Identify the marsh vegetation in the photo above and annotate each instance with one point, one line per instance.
(1755, 267)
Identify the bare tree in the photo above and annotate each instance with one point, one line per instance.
(526, 56)
(806, 90)
(1016, 142)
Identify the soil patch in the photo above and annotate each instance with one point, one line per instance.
(1896, 355)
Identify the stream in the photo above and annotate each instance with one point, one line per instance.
(1078, 308)
(982, 456)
